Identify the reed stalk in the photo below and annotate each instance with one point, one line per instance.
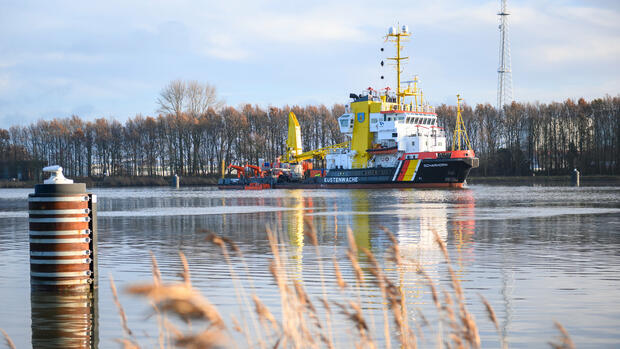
(301, 325)
(7, 339)
(564, 341)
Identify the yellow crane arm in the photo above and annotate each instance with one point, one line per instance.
(318, 153)
(293, 144)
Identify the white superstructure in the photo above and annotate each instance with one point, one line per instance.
(393, 133)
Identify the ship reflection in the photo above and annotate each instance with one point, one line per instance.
(415, 218)
(64, 319)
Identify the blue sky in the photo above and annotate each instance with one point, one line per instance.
(111, 58)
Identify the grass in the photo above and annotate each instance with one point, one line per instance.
(302, 324)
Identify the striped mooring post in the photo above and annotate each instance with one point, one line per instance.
(63, 263)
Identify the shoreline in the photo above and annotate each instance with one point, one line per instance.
(119, 182)
(204, 181)
(592, 180)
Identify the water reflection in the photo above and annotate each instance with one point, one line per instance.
(295, 229)
(530, 251)
(64, 319)
(414, 222)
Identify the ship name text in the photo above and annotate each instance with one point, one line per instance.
(340, 179)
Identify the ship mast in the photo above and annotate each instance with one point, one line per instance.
(460, 133)
(396, 36)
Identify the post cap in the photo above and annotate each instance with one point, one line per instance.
(56, 176)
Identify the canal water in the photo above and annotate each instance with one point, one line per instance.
(538, 254)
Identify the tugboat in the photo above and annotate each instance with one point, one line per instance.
(394, 142)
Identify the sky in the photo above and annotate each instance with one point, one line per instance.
(112, 58)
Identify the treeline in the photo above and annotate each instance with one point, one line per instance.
(191, 136)
(169, 144)
(195, 132)
(538, 138)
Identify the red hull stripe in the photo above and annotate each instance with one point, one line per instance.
(357, 186)
(370, 185)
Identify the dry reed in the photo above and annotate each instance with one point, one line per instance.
(122, 315)
(7, 339)
(564, 341)
(341, 283)
(312, 234)
(300, 325)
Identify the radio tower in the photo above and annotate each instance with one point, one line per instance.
(504, 73)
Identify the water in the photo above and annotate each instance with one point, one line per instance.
(538, 254)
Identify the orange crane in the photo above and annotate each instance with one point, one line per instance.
(257, 170)
(240, 170)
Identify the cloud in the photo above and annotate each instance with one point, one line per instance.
(5, 83)
(591, 51)
(565, 34)
(224, 47)
(102, 58)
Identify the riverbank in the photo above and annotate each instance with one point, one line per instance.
(596, 180)
(115, 182)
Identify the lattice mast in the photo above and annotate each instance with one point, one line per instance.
(460, 133)
(504, 72)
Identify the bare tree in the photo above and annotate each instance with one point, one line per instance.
(200, 97)
(171, 99)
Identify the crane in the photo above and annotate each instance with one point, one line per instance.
(257, 170)
(240, 170)
(294, 152)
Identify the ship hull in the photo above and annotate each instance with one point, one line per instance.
(387, 185)
(410, 173)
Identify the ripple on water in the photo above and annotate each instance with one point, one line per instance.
(537, 254)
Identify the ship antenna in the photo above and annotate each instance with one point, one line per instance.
(459, 131)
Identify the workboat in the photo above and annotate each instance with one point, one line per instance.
(394, 141)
